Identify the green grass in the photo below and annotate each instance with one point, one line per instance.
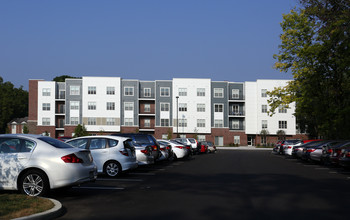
(17, 205)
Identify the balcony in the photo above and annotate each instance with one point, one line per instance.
(236, 114)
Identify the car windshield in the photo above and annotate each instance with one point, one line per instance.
(54, 142)
(142, 139)
(292, 142)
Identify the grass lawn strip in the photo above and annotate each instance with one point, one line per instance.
(17, 205)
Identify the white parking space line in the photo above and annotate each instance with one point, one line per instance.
(97, 187)
(120, 180)
(143, 174)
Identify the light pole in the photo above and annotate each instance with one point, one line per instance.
(177, 116)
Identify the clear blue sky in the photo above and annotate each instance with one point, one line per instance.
(231, 40)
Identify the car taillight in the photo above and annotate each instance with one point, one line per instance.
(188, 147)
(347, 154)
(155, 147)
(124, 152)
(168, 148)
(289, 147)
(162, 149)
(72, 158)
(145, 151)
(330, 151)
(181, 147)
(310, 150)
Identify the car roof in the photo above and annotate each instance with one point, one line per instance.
(101, 136)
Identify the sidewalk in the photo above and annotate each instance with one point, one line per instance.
(243, 148)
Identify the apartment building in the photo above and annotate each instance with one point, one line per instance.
(219, 111)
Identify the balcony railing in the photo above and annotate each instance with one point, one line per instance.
(237, 113)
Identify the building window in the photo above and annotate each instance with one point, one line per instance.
(182, 91)
(235, 124)
(182, 122)
(218, 92)
(282, 109)
(183, 107)
(263, 93)
(218, 108)
(74, 120)
(164, 91)
(74, 90)
(129, 91)
(91, 105)
(201, 123)
(236, 139)
(200, 107)
(164, 107)
(46, 106)
(263, 108)
(46, 92)
(235, 93)
(46, 121)
(110, 106)
(264, 124)
(129, 121)
(92, 90)
(282, 124)
(128, 106)
(263, 140)
(147, 92)
(218, 123)
(201, 137)
(235, 109)
(147, 108)
(110, 90)
(91, 121)
(164, 122)
(74, 105)
(147, 123)
(110, 121)
(200, 91)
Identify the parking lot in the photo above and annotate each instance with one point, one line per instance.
(238, 184)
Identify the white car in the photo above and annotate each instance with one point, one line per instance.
(144, 155)
(34, 164)
(288, 146)
(112, 154)
(180, 150)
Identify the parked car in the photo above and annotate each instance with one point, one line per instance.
(344, 159)
(64, 138)
(187, 143)
(166, 150)
(336, 152)
(144, 155)
(34, 164)
(180, 150)
(112, 155)
(203, 147)
(140, 139)
(315, 153)
(288, 146)
(194, 144)
(300, 151)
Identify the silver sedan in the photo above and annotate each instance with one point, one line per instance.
(34, 164)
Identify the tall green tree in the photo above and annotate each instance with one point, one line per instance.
(315, 48)
(80, 131)
(13, 103)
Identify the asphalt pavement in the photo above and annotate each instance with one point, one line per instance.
(231, 184)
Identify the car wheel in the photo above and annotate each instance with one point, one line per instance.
(34, 183)
(113, 169)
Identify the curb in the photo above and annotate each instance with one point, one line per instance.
(55, 212)
(243, 148)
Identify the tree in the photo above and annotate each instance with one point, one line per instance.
(264, 136)
(25, 129)
(315, 48)
(63, 78)
(80, 131)
(13, 103)
(281, 135)
(170, 134)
